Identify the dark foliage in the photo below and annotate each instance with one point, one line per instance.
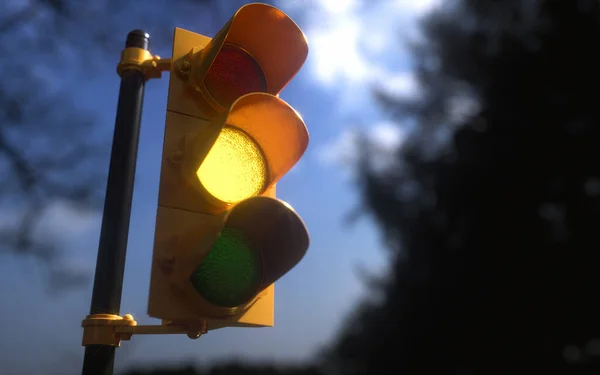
(494, 232)
(231, 369)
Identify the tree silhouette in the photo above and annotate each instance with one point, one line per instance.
(494, 210)
(233, 368)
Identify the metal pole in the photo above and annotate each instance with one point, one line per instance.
(112, 249)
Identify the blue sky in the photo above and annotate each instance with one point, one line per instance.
(351, 47)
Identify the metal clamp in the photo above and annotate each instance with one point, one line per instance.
(140, 59)
(108, 329)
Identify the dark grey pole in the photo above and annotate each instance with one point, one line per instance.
(112, 249)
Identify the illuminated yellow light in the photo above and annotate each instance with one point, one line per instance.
(234, 169)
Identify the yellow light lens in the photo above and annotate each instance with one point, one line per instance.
(234, 169)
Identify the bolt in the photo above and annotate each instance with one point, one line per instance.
(185, 66)
(128, 317)
(177, 156)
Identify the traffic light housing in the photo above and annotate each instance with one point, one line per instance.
(222, 237)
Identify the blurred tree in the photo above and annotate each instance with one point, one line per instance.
(493, 213)
(51, 151)
(233, 368)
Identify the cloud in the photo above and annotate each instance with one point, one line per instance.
(416, 6)
(343, 151)
(387, 136)
(76, 230)
(462, 106)
(403, 84)
(338, 6)
(352, 41)
(337, 54)
(59, 240)
(356, 45)
(60, 220)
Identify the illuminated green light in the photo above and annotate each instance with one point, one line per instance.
(231, 273)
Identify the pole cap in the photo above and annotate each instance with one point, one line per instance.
(138, 38)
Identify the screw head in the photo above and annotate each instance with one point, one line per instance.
(177, 156)
(185, 66)
(194, 334)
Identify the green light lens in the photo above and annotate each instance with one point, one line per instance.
(231, 273)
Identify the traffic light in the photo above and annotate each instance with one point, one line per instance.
(222, 237)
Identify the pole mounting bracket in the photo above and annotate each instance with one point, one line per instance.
(142, 60)
(108, 329)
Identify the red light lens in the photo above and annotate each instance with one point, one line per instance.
(232, 74)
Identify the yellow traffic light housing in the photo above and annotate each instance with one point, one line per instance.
(260, 139)
(227, 266)
(222, 237)
(260, 47)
